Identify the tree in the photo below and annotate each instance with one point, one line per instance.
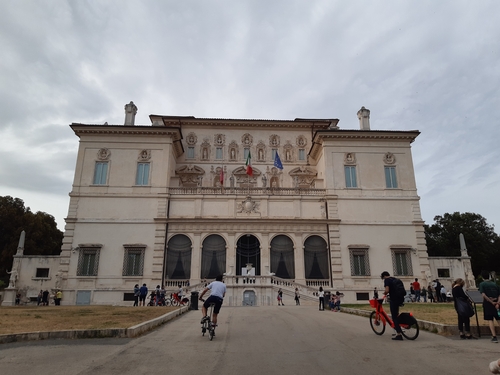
(483, 244)
(42, 235)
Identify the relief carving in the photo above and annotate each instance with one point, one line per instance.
(247, 140)
(350, 158)
(303, 177)
(389, 158)
(248, 206)
(191, 139)
(189, 175)
(144, 155)
(103, 154)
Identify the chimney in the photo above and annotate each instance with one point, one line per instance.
(130, 112)
(364, 118)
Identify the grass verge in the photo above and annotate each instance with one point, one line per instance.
(443, 313)
(21, 319)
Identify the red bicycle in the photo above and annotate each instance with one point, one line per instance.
(379, 319)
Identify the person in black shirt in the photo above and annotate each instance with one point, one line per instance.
(394, 302)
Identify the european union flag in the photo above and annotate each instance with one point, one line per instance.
(277, 161)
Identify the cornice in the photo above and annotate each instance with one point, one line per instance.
(360, 135)
(84, 129)
(169, 121)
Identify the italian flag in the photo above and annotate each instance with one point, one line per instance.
(248, 164)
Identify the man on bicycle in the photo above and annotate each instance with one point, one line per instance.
(394, 302)
(218, 289)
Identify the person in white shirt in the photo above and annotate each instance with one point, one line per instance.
(217, 295)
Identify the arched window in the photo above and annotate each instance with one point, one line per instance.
(282, 257)
(316, 258)
(213, 257)
(179, 257)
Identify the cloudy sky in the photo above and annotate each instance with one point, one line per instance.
(427, 65)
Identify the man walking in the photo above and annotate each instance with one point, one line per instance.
(396, 299)
(490, 291)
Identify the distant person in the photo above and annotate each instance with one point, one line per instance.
(423, 293)
(321, 295)
(39, 298)
(297, 297)
(390, 285)
(375, 293)
(180, 292)
(280, 297)
(143, 293)
(458, 293)
(45, 298)
(490, 291)
(58, 297)
(157, 295)
(336, 301)
(431, 294)
(416, 288)
(137, 292)
(438, 291)
(443, 294)
(18, 299)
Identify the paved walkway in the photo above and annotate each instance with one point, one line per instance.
(255, 340)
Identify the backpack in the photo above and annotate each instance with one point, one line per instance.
(399, 291)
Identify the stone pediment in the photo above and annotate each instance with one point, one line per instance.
(303, 177)
(189, 175)
(244, 180)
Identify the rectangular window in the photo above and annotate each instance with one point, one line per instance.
(42, 272)
(350, 177)
(88, 262)
(133, 263)
(401, 262)
(302, 154)
(142, 177)
(246, 151)
(362, 296)
(218, 153)
(190, 153)
(390, 178)
(359, 262)
(100, 173)
(443, 272)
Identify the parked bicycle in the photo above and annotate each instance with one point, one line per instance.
(174, 300)
(206, 324)
(379, 319)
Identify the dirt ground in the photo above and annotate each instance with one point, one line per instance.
(19, 319)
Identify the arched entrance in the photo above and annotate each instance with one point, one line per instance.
(213, 257)
(247, 252)
(179, 257)
(316, 258)
(282, 257)
(249, 298)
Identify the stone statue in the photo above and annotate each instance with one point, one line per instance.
(13, 278)
(264, 181)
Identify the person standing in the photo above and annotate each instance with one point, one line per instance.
(136, 294)
(45, 298)
(321, 295)
(423, 293)
(297, 297)
(416, 288)
(217, 295)
(394, 302)
(143, 293)
(280, 297)
(431, 294)
(438, 291)
(58, 298)
(490, 291)
(39, 298)
(180, 293)
(443, 294)
(457, 291)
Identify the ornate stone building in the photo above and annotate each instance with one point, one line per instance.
(171, 203)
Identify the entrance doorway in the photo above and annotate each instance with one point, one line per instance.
(249, 298)
(248, 253)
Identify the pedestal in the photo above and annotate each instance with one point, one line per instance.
(9, 297)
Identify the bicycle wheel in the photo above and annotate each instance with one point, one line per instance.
(211, 332)
(410, 331)
(377, 323)
(203, 330)
(174, 302)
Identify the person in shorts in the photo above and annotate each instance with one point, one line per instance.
(218, 291)
(490, 291)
